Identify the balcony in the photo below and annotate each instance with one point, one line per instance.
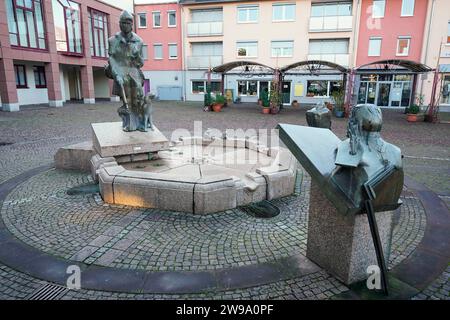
(204, 29)
(204, 62)
(330, 23)
(338, 58)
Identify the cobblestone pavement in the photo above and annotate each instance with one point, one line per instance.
(438, 290)
(82, 227)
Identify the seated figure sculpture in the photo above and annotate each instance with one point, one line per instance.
(365, 156)
(124, 63)
(319, 116)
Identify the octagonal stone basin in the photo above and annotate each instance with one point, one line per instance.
(197, 176)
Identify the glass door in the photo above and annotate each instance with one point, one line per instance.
(286, 92)
(384, 94)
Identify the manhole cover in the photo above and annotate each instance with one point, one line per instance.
(84, 189)
(263, 209)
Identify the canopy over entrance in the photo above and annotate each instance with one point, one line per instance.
(393, 65)
(314, 67)
(244, 68)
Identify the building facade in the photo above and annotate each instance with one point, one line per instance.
(273, 33)
(54, 51)
(159, 25)
(436, 53)
(389, 30)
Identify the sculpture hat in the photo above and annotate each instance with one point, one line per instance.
(126, 16)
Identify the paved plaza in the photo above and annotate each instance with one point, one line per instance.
(58, 216)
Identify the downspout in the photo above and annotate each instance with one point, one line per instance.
(183, 64)
(428, 42)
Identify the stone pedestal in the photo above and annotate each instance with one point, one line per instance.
(110, 140)
(342, 243)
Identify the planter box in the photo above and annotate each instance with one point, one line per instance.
(419, 117)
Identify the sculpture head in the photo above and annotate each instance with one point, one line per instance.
(368, 117)
(126, 22)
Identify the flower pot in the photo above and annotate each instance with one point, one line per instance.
(266, 110)
(217, 107)
(295, 104)
(411, 117)
(339, 114)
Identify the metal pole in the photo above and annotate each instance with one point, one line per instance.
(377, 245)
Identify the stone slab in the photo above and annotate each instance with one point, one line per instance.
(75, 157)
(110, 140)
(342, 243)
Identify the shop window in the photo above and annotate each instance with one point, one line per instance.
(21, 76)
(247, 87)
(39, 77)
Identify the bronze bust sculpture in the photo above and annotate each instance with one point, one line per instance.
(124, 67)
(365, 155)
(319, 116)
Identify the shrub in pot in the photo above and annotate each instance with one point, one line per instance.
(218, 103)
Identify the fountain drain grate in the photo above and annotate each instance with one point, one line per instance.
(263, 209)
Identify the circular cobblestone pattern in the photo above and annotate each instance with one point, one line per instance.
(80, 227)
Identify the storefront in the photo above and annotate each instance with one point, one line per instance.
(386, 90)
(388, 83)
(444, 69)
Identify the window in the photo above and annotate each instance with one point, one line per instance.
(403, 46)
(378, 8)
(282, 48)
(407, 8)
(145, 52)
(283, 12)
(247, 88)
(199, 87)
(206, 49)
(158, 51)
(172, 19)
(156, 19)
(26, 23)
(338, 46)
(98, 35)
(448, 32)
(322, 88)
(66, 16)
(21, 76)
(331, 9)
(142, 20)
(374, 47)
(206, 15)
(173, 51)
(39, 77)
(248, 14)
(247, 49)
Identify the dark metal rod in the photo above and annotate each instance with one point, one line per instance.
(377, 244)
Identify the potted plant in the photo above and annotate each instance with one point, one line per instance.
(338, 97)
(218, 103)
(275, 98)
(413, 113)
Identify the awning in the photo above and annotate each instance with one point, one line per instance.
(317, 64)
(393, 64)
(224, 68)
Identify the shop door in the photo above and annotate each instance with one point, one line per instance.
(384, 94)
(286, 92)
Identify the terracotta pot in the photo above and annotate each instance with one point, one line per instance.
(411, 117)
(266, 110)
(217, 107)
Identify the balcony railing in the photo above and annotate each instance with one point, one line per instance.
(338, 58)
(204, 62)
(330, 23)
(203, 29)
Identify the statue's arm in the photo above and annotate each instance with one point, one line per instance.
(139, 60)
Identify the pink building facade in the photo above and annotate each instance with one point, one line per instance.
(389, 30)
(159, 26)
